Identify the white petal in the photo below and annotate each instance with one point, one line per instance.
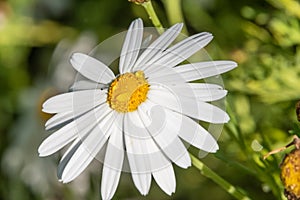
(92, 68)
(188, 106)
(134, 127)
(80, 108)
(113, 144)
(142, 182)
(163, 75)
(199, 93)
(77, 163)
(95, 140)
(164, 131)
(67, 156)
(146, 42)
(131, 46)
(109, 182)
(199, 86)
(91, 145)
(140, 150)
(136, 147)
(59, 119)
(196, 135)
(79, 127)
(86, 85)
(108, 125)
(58, 140)
(184, 49)
(158, 46)
(210, 95)
(177, 152)
(184, 161)
(196, 71)
(113, 163)
(143, 154)
(62, 137)
(75, 101)
(165, 178)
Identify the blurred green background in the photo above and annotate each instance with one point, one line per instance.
(37, 38)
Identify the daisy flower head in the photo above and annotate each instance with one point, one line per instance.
(140, 120)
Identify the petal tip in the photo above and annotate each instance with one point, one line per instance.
(42, 151)
(227, 118)
(65, 178)
(76, 56)
(144, 193)
(208, 34)
(138, 22)
(186, 166)
(179, 26)
(41, 155)
(63, 181)
(234, 64)
(77, 59)
(215, 148)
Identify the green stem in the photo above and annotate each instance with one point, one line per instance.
(174, 13)
(236, 134)
(235, 129)
(206, 171)
(153, 17)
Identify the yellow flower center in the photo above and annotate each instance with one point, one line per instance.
(127, 92)
(290, 173)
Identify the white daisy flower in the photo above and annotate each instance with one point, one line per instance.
(137, 121)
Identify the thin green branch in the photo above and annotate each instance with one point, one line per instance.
(234, 163)
(206, 171)
(235, 133)
(152, 16)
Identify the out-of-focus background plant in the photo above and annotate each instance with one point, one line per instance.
(38, 36)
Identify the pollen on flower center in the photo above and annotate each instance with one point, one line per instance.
(127, 92)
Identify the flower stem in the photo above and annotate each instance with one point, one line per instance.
(153, 17)
(174, 13)
(206, 171)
